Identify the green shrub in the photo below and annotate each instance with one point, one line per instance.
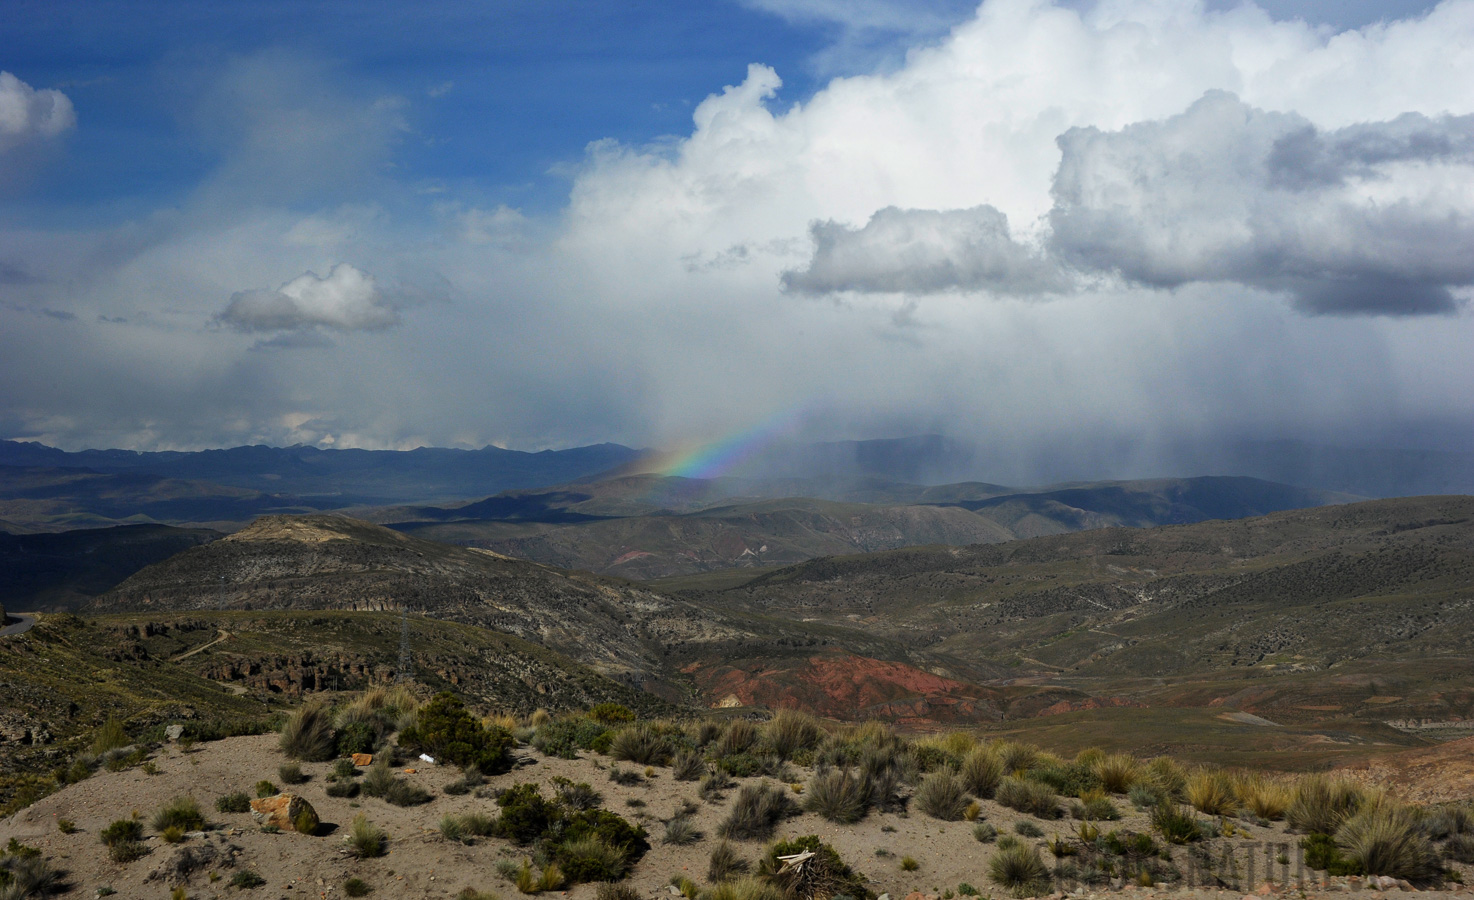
(237, 802)
(609, 828)
(265, 789)
(611, 713)
(525, 814)
(1385, 838)
(1322, 803)
(290, 773)
(1066, 778)
(713, 784)
(1322, 853)
(357, 887)
(364, 839)
(342, 789)
(403, 793)
(1166, 775)
(122, 830)
(838, 796)
(246, 879)
(577, 795)
(756, 812)
(725, 864)
(181, 812)
(445, 731)
(941, 796)
(1116, 772)
(607, 891)
(565, 737)
(825, 875)
(981, 772)
(344, 768)
(1020, 870)
(1027, 828)
(308, 734)
(358, 737)
(591, 858)
(1146, 796)
(1031, 797)
(109, 736)
(642, 744)
(1094, 806)
(1016, 757)
(740, 736)
(22, 877)
(1176, 824)
(750, 888)
(985, 833)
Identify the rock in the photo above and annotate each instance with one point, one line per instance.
(174, 732)
(363, 759)
(286, 811)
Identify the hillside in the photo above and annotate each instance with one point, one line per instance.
(1361, 611)
(647, 527)
(58, 572)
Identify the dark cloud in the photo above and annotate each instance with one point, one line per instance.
(918, 251)
(1229, 193)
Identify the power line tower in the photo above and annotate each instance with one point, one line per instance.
(402, 673)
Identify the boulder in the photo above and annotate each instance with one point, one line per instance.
(363, 759)
(286, 811)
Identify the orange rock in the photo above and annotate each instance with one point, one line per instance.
(363, 759)
(409, 771)
(286, 811)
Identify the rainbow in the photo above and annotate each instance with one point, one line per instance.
(717, 459)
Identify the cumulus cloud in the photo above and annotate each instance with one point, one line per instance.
(916, 251)
(27, 114)
(348, 299)
(1353, 220)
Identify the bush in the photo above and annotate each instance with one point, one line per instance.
(357, 887)
(342, 789)
(109, 736)
(344, 769)
(838, 796)
(1016, 757)
(681, 830)
(1146, 796)
(1212, 793)
(1176, 824)
(124, 840)
(181, 812)
(740, 736)
(246, 879)
(610, 828)
(1020, 870)
(1385, 838)
(1094, 806)
(688, 767)
(237, 802)
(172, 835)
(713, 784)
(1322, 853)
(611, 713)
(1460, 848)
(1265, 798)
(577, 795)
(607, 891)
(825, 875)
(981, 772)
(626, 777)
(364, 839)
(1321, 804)
(403, 793)
(756, 812)
(290, 773)
(28, 876)
(1027, 828)
(445, 731)
(592, 858)
(308, 734)
(789, 732)
(1166, 775)
(525, 813)
(985, 833)
(750, 888)
(1117, 772)
(565, 737)
(1067, 778)
(641, 744)
(941, 796)
(265, 789)
(1030, 797)
(725, 864)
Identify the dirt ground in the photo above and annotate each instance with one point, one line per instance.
(422, 864)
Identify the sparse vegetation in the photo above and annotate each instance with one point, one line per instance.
(756, 812)
(246, 879)
(182, 813)
(838, 796)
(942, 796)
(1212, 793)
(444, 730)
(681, 830)
(290, 773)
(985, 832)
(725, 864)
(1029, 797)
(1027, 828)
(237, 802)
(1018, 869)
(364, 839)
(1385, 838)
(982, 770)
(641, 743)
(1321, 804)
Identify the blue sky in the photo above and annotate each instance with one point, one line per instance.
(1084, 225)
(506, 94)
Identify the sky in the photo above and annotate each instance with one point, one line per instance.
(1091, 228)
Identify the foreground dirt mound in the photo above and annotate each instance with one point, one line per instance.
(1427, 775)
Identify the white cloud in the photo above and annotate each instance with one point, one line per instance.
(27, 114)
(348, 299)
